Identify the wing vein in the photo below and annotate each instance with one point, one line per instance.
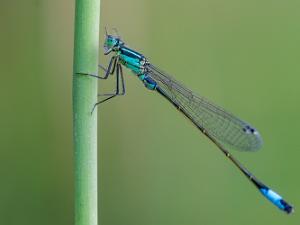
(219, 123)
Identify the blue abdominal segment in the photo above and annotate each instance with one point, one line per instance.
(142, 77)
(148, 81)
(276, 199)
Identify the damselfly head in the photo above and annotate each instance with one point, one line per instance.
(112, 43)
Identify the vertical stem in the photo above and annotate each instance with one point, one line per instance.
(87, 20)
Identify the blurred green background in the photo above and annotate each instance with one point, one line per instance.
(155, 168)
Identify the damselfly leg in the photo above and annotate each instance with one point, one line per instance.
(108, 71)
(113, 68)
(119, 78)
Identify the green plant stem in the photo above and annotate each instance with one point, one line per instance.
(86, 45)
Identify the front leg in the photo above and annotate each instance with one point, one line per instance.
(109, 70)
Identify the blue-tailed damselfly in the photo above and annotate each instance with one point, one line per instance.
(220, 126)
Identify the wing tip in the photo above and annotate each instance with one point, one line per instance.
(256, 142)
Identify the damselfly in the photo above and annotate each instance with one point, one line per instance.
(220, 126)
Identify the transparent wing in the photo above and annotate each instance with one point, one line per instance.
(217, 122)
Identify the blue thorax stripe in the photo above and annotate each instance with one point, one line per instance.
(130, 53)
